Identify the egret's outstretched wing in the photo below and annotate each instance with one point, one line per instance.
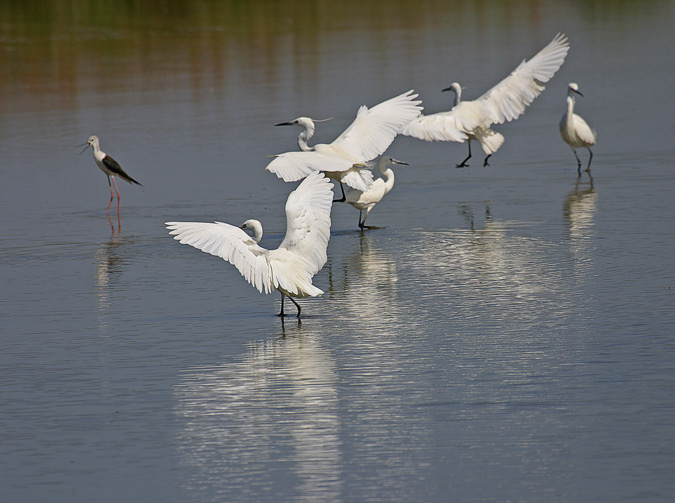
(507, 100)
(374, 129)
(308, 220)
(442, 126)
(368, 136)
(294, 166)
(230, 243)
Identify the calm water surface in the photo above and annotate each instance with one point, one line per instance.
(506, 334)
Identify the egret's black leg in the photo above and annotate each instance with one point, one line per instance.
(296, 305)
(343, 199)
(578, 162)
(282, 307)
(485, 162)
(463, 164)
(588, 168)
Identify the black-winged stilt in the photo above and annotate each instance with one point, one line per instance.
(110, 167)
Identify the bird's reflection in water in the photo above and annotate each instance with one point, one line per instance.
(368, 280)
(119, 222)
(494, 269)
(109, 265)
(268, 418)
(579, 210)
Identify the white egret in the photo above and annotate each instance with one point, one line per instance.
(574, 130)
(504, 102)
(366, 201)
(110, 167)
(368, 136)
(291, 266)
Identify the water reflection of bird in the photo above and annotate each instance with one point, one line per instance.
(278, 400)
(579, 208)
(380, 187)
(291, 266)
(368, 136)
(504, 102)
(109, 267)
(574, 130)
(110, 167)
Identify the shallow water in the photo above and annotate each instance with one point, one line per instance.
(506, 334)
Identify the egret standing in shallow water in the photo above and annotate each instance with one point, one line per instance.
(291, 266)
(368, 136)
(379, 188)
(504, 102)
(110, 167)
(574, 129)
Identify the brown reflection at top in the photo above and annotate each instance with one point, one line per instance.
(70, 47)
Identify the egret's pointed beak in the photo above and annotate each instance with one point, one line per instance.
(284, 124)
(396, 161)
(578, 92)
(446, 89)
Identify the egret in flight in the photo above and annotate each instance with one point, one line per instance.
(504, 102)
(574, 129)
(344, 159)
(110, 167)
(291, 266)
(366, 201)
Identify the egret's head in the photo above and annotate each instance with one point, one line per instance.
(254, 227)
(455, 87)
(392, 161)
(573, 88)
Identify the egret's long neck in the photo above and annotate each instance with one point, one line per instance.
(570, 106)
(257, 232)
(387, 174)
(458, 95)
(304, 137)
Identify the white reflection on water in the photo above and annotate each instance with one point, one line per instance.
(366, 281)
(505, 271)
(268, 418)
(579, 209)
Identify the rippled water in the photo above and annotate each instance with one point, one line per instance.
(506, 334)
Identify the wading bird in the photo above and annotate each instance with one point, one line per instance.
(574, 129)
(110, 167)
(504, 102)
(379, 188)
(343, 160)
(291, 266)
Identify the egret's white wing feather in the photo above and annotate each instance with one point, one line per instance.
(294, 166)
(358, 178)
(374, 129)
(442, 126)
(308, 220)
(507, 100)
(231, 244)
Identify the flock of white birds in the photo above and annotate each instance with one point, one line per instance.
(350, 159)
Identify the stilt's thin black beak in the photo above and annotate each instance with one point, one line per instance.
(85, 148)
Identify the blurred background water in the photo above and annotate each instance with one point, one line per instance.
(507, 334)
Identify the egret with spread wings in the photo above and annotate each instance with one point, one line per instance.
(471, 120)
(343, 160)
(288, 268)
